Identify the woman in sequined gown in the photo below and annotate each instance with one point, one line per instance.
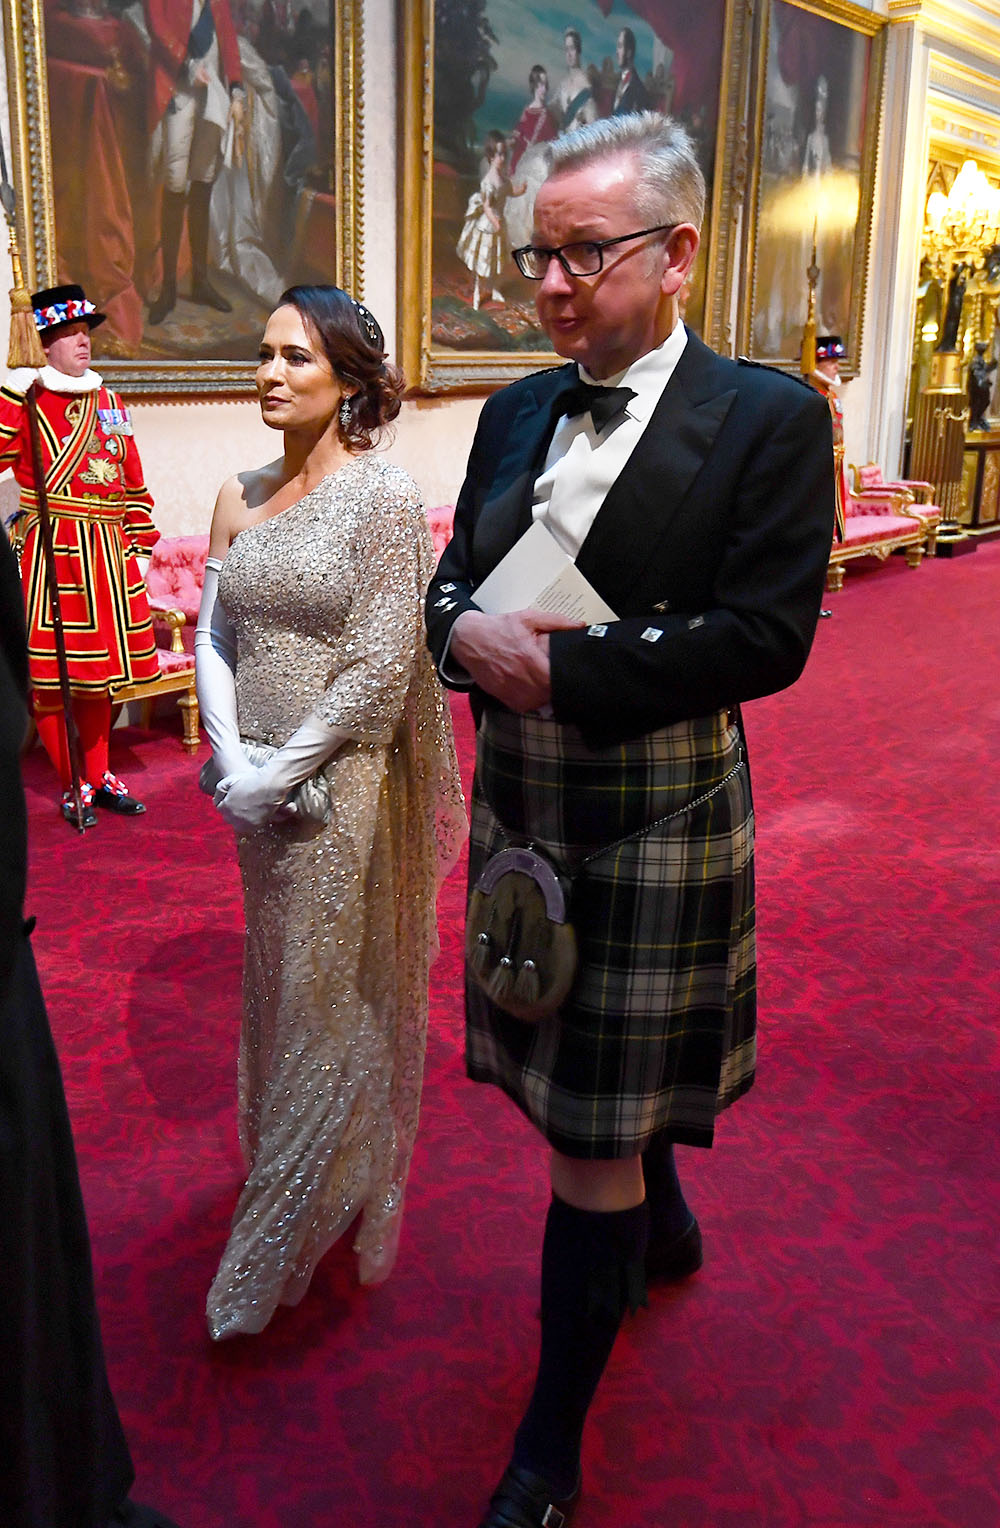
(310, 640)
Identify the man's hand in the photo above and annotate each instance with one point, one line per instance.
(508, 655)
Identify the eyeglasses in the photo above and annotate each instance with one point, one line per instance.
(583, 259)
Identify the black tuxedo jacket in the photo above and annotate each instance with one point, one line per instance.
(716, 534)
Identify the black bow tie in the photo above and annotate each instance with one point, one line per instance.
(603, 403)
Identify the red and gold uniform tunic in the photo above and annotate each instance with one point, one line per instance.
(824, 385)
(99, 507)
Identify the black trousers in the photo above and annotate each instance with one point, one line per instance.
(65, 1462)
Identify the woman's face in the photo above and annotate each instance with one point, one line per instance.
(541, 89)
(296, 384)
(572, 53)
(499, 156)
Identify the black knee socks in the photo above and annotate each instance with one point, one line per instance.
(592, 1271)
(669, 1214)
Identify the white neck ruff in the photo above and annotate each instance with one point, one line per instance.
(59, 382)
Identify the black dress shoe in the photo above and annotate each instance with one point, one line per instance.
(205, 295)
(88, 817)
(113, 797)
(677, 1258)
(524, 1500)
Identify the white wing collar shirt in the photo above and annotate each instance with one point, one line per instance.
(581, 464)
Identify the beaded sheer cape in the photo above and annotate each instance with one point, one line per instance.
(326, 599)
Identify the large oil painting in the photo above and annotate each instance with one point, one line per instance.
(191, 169)
(506, 79)
(821, 77)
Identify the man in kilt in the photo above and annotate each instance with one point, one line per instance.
(695, 495)
(102, 534)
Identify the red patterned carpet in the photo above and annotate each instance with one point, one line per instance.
(835, 1364)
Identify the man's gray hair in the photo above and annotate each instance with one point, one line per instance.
(671, 186)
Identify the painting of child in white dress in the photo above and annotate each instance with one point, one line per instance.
(484, 245)
(517, 72)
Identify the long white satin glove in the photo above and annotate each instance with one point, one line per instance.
(247, 801)
(215, 676)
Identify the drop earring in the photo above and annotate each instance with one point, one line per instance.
(345, 413)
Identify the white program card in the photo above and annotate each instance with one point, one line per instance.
(536, 572)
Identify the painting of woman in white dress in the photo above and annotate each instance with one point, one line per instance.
(813, 157)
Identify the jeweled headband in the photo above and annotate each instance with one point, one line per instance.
(368, 323)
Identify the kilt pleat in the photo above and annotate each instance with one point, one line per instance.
(659, 1028)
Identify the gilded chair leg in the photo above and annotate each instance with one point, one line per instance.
(188, 703)
(914, 556)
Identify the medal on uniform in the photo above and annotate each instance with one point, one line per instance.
(115, 421)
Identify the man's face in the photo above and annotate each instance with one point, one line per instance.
(609, 320)
(67, 348)
(621, 52)
(829, 368)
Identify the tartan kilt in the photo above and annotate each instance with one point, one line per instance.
(659, 1029)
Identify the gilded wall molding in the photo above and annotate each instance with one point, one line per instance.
(28, 94)
(973, 28)
(349, 172)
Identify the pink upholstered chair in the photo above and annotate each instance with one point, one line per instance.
(876, 523)
(173, 582)
(869, 479)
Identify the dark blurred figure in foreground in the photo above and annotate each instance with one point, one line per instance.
(65, 1462)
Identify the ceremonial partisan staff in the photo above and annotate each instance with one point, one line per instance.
(26, 350)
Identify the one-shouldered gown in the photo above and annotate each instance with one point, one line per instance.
(326, 600)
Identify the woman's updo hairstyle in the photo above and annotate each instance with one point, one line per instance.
(353, 344)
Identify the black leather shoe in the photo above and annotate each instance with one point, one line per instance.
(113, 797)
(677, 1258)
(524, 1500)
(88, 816)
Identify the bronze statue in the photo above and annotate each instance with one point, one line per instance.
(953, 308)
(979, 387)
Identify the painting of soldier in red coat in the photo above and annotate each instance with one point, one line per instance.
(192, 151)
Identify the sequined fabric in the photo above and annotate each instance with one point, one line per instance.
(326, 600)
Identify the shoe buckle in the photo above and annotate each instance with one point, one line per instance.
(553, 1517)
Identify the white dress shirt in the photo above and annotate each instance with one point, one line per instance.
(581, 464)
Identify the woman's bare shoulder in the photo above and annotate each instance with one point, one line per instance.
(239, 501)
(251, 489)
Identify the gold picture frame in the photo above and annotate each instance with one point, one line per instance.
(330, 191)
(817, 94)
(434, 367)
